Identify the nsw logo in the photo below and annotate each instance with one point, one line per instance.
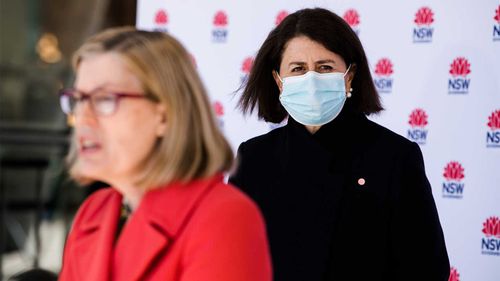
(458, 83)
(280, 17)
(453, 187)
(351, 16)
(423, 32)
(454, 276)
(496, 26)
(383, 73)
(220, 32)
(493, 135)
(246, 67)
(418, 121)
(219, 113)
(161, 21)
(490, 243)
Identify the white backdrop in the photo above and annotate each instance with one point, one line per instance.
(436, 64)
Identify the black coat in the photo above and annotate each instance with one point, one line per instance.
(323, 224)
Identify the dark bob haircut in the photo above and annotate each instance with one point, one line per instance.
(334, 34)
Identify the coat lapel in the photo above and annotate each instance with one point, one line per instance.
(328, 162)
(155, 225)
(316, 163)
(94, 243)
(140, 243)
(310, 197)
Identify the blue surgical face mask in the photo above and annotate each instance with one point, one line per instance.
(314, 98)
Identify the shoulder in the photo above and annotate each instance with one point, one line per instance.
(227, 226)
(227, 218)
(383, 136)
(264, 141)
(257, 154)
(226, 207)
(227, 203)
(388, 149)
(395, 149)
(387, 135)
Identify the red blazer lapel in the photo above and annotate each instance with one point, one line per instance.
(93, 243)
(159, 219)
(137, 247)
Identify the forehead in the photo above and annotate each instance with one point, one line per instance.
(303, 49)
(101, 70)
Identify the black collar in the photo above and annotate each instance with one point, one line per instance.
(345, 126)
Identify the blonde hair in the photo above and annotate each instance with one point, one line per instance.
(192, 146)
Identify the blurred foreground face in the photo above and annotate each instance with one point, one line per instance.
(112, 146)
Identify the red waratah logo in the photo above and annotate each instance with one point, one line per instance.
(352, 17)
(247, 65)
(454, 276)
(161, 17)
(497, 14)
(280, 17)
(491, 227)
(219, 109)
(418, 118)
(460, 67)
(220, 19)
(384, 67)
(494, 120)
(424, 16)
(453, 171)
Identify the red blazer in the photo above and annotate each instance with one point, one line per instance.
(203, 230)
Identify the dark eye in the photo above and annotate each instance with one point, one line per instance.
(297, 69)
(104, 98)
(325, 68)
(105, 103)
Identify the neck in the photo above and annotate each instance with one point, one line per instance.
(132, 194)
(312, 129)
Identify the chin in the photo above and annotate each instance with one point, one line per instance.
(93, 172)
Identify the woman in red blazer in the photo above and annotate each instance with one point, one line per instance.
(143, 123)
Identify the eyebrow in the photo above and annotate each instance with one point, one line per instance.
(106, 86)
(101, 87)
(297, 62)
(326, 61)
(317, 62)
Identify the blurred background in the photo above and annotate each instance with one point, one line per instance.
(38, 201)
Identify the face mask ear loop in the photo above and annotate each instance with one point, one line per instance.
(347, 71)
(349, 91)
(277, 74)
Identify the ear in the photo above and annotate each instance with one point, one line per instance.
(278, 81)
(350, 76)
(161, 126)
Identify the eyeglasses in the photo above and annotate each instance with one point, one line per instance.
(102, 102)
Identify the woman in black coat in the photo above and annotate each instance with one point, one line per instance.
(343, 198)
